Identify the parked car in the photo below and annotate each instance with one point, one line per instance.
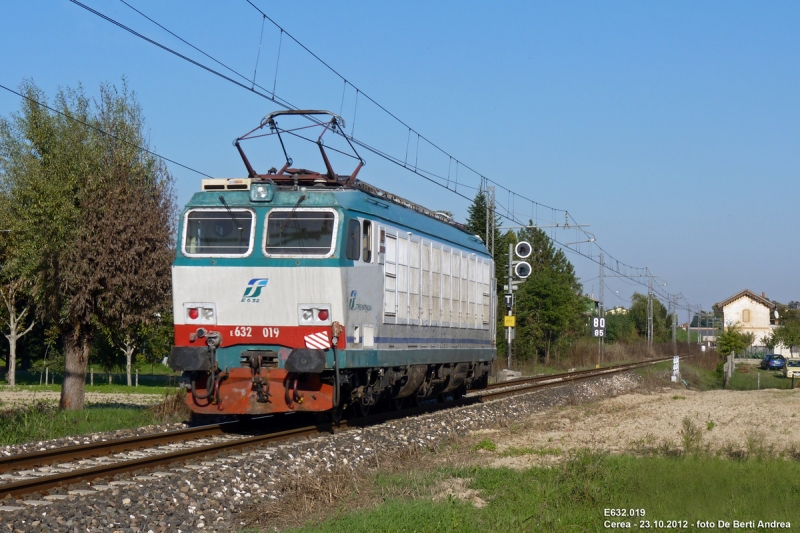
(773, 361)
(792, 368)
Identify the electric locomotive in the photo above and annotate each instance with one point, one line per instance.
(303, 291)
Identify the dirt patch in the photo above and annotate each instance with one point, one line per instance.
(458, 489)
(11, 399)
(720, 422)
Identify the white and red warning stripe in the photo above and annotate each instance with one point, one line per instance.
(318, 341)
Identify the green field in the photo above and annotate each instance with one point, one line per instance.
(574, 496)
(44, 421)
(101, 388)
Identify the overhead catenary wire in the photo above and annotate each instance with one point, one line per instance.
(622, 268)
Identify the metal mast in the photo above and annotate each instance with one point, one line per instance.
(649, 311)
(602, 311)
(490, 220)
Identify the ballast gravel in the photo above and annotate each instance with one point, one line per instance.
(88, 439)
(208, 495)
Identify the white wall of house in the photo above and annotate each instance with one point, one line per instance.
(754, 318)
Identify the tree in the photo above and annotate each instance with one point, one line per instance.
(619, 328)
(662, 322)
(92, 217)
(15, 321)
(549, 304)
(157, 337)
(476, 224)
(734, 340)
(787, 335)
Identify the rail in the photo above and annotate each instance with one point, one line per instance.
(45, 482)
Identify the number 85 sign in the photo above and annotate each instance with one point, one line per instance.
(598, 327)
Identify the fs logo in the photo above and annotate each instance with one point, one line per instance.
(253, 290)
(353, 295)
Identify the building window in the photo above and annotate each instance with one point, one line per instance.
(746, 315)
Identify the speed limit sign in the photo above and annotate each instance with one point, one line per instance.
(598, 327)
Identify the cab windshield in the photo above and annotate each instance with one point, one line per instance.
(218, 232)
(306, 232)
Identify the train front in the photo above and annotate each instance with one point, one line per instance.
(257, 298)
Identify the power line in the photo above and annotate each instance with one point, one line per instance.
(100, 130)
(278, 101)
(509, 212)
(614, 264)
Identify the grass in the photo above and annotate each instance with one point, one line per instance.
(485, 444)
(541, 452)
(701, 373)
(752, 378)
(44, 421)
(104, 388)
(572, 497)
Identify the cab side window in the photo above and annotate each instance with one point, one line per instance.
(366, 242)
(352, 249)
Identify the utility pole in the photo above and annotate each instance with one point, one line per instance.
(649, 312)
(509, 329)
(601, 341)
(673, 303)
(699, 314)
(490, 219)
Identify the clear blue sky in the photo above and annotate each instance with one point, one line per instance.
(670, 128)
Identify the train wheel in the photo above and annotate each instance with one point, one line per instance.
(361, 409)
(336, 413)
(459, 392)
(397, 404)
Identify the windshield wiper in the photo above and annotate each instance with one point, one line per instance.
(235, 220)
(291, 214)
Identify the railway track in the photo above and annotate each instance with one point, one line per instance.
(516, 386)
(188, 444)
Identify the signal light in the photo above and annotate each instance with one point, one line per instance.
(323, 314)
(193, 313)
(522, 269)
(523, 249)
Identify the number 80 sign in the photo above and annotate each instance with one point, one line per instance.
(598, 327)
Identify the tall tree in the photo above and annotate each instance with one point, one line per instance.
(11, 293)
(662, 324)
(91, 216)
(549, 303)
(787, 335)
(476, 224)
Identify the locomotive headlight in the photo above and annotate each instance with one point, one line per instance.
(262, 192)
(200, 312)
(314, 314)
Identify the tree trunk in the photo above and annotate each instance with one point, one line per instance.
(15, 321)
(130, 346)
(77, 344)
(11, 367)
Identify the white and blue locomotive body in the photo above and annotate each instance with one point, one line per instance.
(278, 283)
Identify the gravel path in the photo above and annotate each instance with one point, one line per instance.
(730, 423)
(210, 495)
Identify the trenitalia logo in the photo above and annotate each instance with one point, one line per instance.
(253, 290)
(357, 306)
(353, 295)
